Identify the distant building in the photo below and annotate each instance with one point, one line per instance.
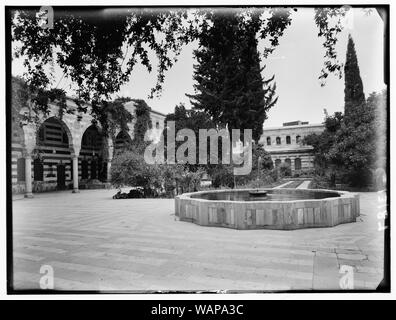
(285, 144)
(67, 152)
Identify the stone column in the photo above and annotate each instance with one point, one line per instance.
(29, 136)
(110, 153)
(108, 170)
(75, 173)
(28, 176)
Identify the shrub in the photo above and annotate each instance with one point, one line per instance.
(285, 170)
(222, 176)
(319, 182)
(130, 169)
(181, 178)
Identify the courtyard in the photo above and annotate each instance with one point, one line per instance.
(93, 242)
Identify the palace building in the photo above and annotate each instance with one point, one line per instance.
(285, 144)
(67, 152)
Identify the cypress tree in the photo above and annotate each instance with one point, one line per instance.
(354, 95)
(354, 145)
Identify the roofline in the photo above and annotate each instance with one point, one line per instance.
(294, 127)
(157, 112)
(89, 104)
(288, 151)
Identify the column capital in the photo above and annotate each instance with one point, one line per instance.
(75, 152)
(26, 153)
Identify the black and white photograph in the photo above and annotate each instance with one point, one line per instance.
(220, 149)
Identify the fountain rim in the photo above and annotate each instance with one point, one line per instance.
(342, 194)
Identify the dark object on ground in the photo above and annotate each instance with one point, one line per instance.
(136, 193)
(120, 195)
(258, 193)
(132, 194)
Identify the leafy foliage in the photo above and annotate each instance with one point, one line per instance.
(115, 115)
(142, 124)
(285, 170)
(180, 178)
(130, 169)
(19, 99)
(188, 119)
(98, 49)
(323, 142)
(353, 145)
(222, 176)
(329, 22)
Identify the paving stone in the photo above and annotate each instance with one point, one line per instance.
(96, 243)
(351, 256)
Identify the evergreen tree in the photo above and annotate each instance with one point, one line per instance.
(354, 95)
(350, 145)
(230, 87)
(354, 143)
(188, 119)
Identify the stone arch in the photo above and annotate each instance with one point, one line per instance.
(96, 153)
(65, 128)
(92, 138)
(52, 163)
(122, 141)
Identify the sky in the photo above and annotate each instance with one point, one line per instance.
(296, 64)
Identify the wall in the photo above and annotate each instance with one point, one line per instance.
(55, 140)
(296, 149)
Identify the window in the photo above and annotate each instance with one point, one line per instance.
(288, 162)
(157, 125)
(94, 169)
(288, 140)
(297, 164)
(103, 175)
(84, 169)
(277, 163)
(21, 169)
(278, 140)
(298, 139)
(38, 170)
(93, 140)
(65, 138)
(268, 141)
(84, 140)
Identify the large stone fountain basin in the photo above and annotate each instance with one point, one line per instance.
(281, 209)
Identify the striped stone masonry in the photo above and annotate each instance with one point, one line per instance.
(65, 152)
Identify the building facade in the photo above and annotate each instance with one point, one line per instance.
(66, 152)
(285, 144)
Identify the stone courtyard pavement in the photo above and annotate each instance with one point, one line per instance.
(93, 242)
